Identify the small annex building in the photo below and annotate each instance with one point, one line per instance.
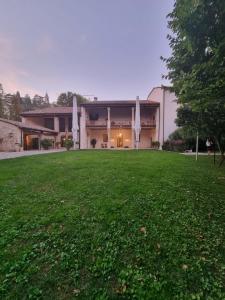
(17, 136)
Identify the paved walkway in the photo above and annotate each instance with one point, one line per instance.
(7, 155)
(200, 153)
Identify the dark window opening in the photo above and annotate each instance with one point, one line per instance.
(70, 125)
(62, 126)
(93, 116)
(49, 123)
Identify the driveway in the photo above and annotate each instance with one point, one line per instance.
(7, 155)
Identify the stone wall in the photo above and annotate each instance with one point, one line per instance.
(10, 137)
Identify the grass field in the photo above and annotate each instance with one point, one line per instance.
(112, 225)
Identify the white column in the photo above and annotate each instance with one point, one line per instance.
(39, 140)
(56, 124)
(83, 130)
(159, 129)
(109, 127)
(67, 126)
(132, 128)
(56, 127)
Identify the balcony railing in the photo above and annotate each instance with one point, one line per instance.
(144, 124)
(151, 123)
(96, 123)
(119, 124)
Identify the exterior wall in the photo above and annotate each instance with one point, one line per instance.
(157, 95)
(39, 121)
(83, 129)
(10, 137)
(167, 112)
(95, 134)
(146, 137)
(170, 113)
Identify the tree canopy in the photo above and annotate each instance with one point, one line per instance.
(66, 99)
(197, 65)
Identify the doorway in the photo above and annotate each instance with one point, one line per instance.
(120, 140)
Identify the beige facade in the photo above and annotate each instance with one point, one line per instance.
(102, 124)
(10, 137)
(167, 112)
(111, 124)
(17, 136)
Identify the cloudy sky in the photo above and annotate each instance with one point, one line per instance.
(110, 49)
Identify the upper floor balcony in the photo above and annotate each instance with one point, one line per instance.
(119, 124)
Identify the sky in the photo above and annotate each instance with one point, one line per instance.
(106, 48)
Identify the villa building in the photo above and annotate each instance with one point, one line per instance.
(102, 124)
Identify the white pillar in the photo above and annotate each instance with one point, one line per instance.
(56, 127)
(109, 127)
(39, 141)
(132, 128)
(159, 126)
(56, 124)
(83, 130)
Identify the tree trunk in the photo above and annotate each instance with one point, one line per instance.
(222, 158)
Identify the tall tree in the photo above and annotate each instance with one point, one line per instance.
(197, 64)
(66, 99)
(26, 103)
(16, 107)
(40, 102)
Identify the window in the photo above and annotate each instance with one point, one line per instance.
(62, 126)
(93, 116)
(105, 138)
(70, 124)
(49, 123)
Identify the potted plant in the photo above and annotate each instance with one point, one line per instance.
(93, 142)
(155, 144)
(68, 144)
(57, 145)
(46, 144)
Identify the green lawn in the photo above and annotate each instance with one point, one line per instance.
(112, 225)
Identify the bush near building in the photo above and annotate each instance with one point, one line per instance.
(180, 141)
(46, 144)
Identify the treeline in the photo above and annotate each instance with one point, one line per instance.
(12, 105)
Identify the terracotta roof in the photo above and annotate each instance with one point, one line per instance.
(68, 110)
(27, 126)
(121, 103)
(49, 110)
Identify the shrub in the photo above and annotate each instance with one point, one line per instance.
(46, 144)
(174, 145)
(93, 142)
(155, 144)
(68, 144)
